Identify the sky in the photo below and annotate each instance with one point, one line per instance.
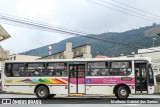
(80, 15)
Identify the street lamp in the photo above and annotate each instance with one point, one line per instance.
(153, 40)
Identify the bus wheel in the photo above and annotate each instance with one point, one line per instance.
(122, 92)
(42, 92)
(51, 95)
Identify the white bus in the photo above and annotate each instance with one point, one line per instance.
(1, 76)
(0, 81)
(103, 76)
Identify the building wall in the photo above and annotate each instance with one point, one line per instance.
(23, 57)
(155, 56)
(83, 51)
(153, 53)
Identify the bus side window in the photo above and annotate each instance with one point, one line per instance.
(151, 77)
(18, 69)
(97, 69)
(56, 69)
(8, 70)
(35, 69)
(120, 68)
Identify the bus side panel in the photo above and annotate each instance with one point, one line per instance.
(28, 84)
(151, 89)
(58, 89)
(19, 89)
(132, 88)
(98, 89)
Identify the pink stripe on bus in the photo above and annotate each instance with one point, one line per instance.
(100, 81)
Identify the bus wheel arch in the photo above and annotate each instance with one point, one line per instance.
(44, 88)
(120, 87)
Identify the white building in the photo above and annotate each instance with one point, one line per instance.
(153, 53)
(23, 57)
(83, 51)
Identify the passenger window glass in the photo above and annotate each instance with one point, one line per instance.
(120, 68)
(56, 69)
(14, 70)
(151, 79)
(35, 69)
(8, 70)
(18, 70)
(97, 69)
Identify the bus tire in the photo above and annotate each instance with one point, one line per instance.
(122, 92)
(51, 95)
(42, 92)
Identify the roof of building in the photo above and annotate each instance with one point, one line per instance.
(3, 34)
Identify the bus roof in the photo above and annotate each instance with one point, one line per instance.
(81, 60)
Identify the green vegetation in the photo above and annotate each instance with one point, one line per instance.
(135, 37)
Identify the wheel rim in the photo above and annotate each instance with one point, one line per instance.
(123, 92)
(42, 93)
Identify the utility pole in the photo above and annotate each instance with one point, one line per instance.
(153, 41)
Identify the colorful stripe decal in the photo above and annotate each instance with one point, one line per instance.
(44, 80)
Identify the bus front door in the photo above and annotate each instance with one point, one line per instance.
(77, 78)
(141, 78)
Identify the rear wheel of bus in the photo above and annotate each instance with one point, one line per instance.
(42, 92)
(122, 92)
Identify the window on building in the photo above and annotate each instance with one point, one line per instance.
(56, 69)
(97, 69)
(120, 68)
(35, 69)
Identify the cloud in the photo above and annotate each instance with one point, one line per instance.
(74, 14)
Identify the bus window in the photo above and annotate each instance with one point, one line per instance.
(35, 69)
(14, 70)
(56, 69)
(72, 71)
(97, 69)
(120, 68)
(8, 70)
(151, 76)
(18, 70)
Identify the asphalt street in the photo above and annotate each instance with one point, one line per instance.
(61, 101)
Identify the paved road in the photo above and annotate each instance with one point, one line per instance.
(59, 101)
(61, 96)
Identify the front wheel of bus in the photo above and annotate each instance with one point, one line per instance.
(42, 92)
(122, 92)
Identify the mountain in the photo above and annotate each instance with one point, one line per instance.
(136, 38)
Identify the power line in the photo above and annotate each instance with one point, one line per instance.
(120, 11)
(36, 25)
(40, 26)
(129, 10)
(135, 8)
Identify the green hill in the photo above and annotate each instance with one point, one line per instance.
(138, 38)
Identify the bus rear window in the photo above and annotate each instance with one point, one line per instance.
(14, 70)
